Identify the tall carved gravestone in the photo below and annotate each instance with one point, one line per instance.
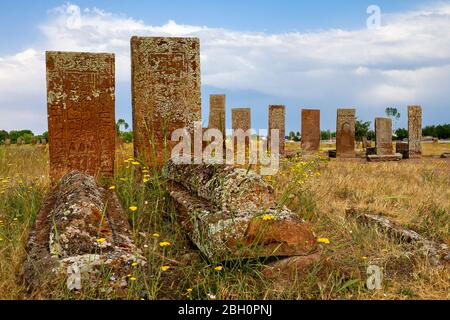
(241, 119)
(383, 133)
(310, 130)
(277, 119)
(415, 131)
(217, 112)
(81, 115)
(345, 133)
(165, 91)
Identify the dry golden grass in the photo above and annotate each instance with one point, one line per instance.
(414, 193)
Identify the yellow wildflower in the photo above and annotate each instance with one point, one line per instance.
(268, 217)
(123, 179)
(133, 208)
(112, 188)
(189, 290)
(164, 244)
(165, 268)
(145, 180)
(219, 268)
(101, 240)
(156, 235)
(133, 279)
(134, 264)
(323, 240)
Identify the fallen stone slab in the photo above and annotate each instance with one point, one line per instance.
(80, 231)
(387, 157)
(437, 252)
(287, 269)
(445, 155)
(230, 213)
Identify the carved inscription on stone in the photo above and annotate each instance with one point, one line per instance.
(383, 132)
(415, 131)
(277, 119)
(81, 118)
(310, 130)
(345, 133)
(166, 93)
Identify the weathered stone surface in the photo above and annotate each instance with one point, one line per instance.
(230, 213)
(386, 157)
(345, 133)
(445, 155)
(310, 130)
(166, 93)
(277, 120)
(415, 131)
(331, 153)
(288, 269)
(81, 115)
(65, 239)
(44, 141)
(33, 141)
(217, 115)
(241, 119)
(7, 142)
(402, 148)
(383, 133)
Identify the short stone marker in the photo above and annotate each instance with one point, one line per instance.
(384, 150)
(166, 93)
(33, 141)
(241, 119)
(20, 142)
(80, 231)
(415, 131)
(277, 120)
(232, 213)
(7, 142)
(345, 133)
(81, 115)
(310, 130)
(402, 148)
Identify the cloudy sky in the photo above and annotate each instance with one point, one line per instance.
(318, 54)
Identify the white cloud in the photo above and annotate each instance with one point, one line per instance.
(407, 61)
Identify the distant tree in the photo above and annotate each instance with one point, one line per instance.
(127, 136)
(371, 135)
(393, 113)
(45, 135)
(361, 129)
(27, 138)
(327, 134)
(3, 136)
(121, 123)
(294, 136)
(441, 131)
(401, 133)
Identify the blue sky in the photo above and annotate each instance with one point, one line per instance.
(313, 54)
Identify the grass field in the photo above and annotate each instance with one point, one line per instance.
(413, 193)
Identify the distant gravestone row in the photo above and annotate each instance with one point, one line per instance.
(166, 96)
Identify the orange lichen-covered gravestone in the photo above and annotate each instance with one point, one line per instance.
(166, 93)
(310, 130)
(81, 115)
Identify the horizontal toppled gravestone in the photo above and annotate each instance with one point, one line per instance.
(230, 213)
(80, 231)
(81, 113)
(310, 130)
(165, 93)
(345, 133)
(414, 131)
(277, 120)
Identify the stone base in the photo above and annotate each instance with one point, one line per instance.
(387, 157)
(371, 151)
